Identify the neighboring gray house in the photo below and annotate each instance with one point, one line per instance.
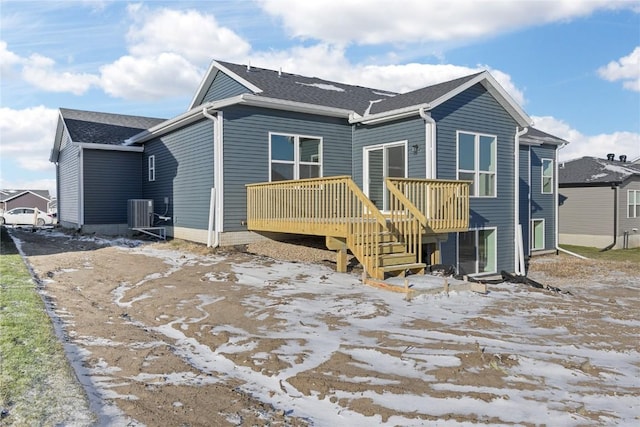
(95, 173)
(248, 125)
(600, 202)
(10, 199)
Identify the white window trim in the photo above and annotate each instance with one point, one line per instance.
(475, 230)
(542, 176)
(476, 161)
(533, 221)
(637, 202)
(296, 154)
(151, 165)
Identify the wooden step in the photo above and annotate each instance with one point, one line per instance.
(400, 269)
(391, 248)
(396, 259)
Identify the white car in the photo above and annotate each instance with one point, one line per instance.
(25, 216)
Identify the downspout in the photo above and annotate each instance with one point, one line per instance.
(430, 141)
(615, 188)
(80, 187)
(213, 231)
(518, 245)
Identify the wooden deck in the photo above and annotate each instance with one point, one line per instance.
(335, 207)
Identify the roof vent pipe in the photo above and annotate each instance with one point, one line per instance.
(611, 156)
(623, 158)
(249, 66)
(280, 72)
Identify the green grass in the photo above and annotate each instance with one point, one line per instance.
(632, 255)
(29, 349)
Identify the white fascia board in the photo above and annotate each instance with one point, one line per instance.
(109, 147)
(390, 115)
(23, 193)
(57, 142)
(498, 92)
(211, 73)
(299, 107)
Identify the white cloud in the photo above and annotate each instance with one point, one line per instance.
(28, 132)
(626, 69)
(580, 145)
(8, 60)
(150, 77)
(379, 21)
(26, 138)
(196, 36)
(40, 71)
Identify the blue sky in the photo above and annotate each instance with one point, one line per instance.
(573, 65)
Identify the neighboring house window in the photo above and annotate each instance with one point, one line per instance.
(537, 234)
(547, 176)
(633, 200)
(152, 168)
(477, 157)
(295, 157)
(477, 251)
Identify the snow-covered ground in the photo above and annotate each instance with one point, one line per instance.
(323, 348)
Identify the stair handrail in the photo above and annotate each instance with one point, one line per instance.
(406, 220)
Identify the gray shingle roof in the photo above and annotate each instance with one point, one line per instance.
(420, 96)
(311, 90)
(104, 128)
(595, 171)
(536, 136)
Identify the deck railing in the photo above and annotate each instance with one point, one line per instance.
(444, 203)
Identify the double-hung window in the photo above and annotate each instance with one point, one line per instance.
(151, 162)
(633, 203)
(295, 157)
(547, 176)
(477, 158)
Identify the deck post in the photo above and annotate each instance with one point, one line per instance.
(338, 244)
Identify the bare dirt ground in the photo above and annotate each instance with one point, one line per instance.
(176, 335)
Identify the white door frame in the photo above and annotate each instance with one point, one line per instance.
(366, 151)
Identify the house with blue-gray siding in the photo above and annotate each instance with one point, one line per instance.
(248, 125)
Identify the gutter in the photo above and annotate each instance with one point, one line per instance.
(518, 249)
(215, 202)
(615, 187)
(430, 140)
(386, 116)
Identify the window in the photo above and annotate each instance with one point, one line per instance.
(295, 157)
(477, 163)
(477, 251)
(537, 234)
(152, 168)
(633, 201)
(547, 176)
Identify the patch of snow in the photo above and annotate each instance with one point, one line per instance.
(322, 86)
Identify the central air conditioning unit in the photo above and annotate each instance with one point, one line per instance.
(140, 213)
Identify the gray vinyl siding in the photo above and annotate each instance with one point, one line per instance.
(223, 87)
(586, 210)
(184, 174)
(411, 130)
(110, 179)
(625, 223)
(543, 205)
(525, 203)
(69, 178)
(246, 150)
(476, 111)
(28, 200)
